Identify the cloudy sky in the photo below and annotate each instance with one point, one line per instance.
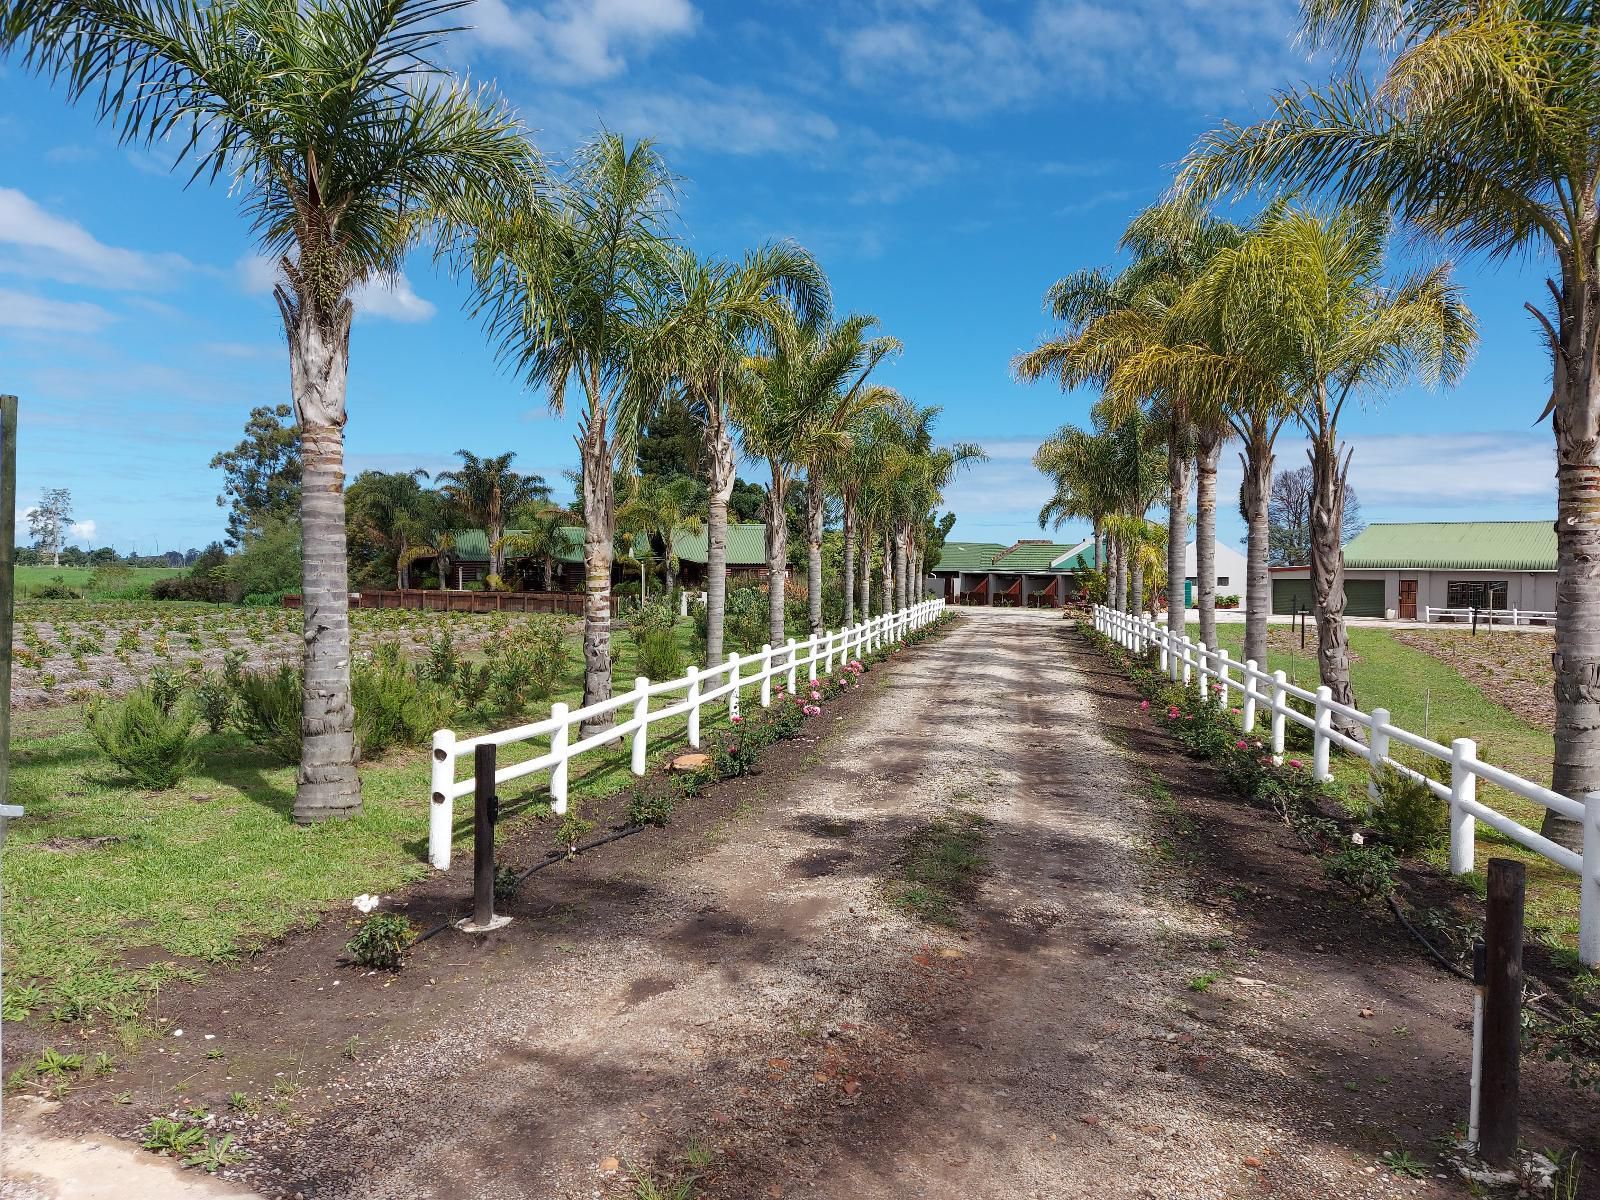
(945, 160)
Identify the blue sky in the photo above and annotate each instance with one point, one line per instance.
(945, 160)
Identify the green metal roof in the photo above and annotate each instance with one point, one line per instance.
(1020, 558)
(1030, 556)
(747, 545)
(1086, 559)
(1456, 545)
(967, 556)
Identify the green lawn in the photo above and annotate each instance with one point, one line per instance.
(83, 579)
(215, 865)
(1431, 698)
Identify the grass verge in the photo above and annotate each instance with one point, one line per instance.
(939, 869)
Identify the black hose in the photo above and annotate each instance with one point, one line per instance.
(1394, 906)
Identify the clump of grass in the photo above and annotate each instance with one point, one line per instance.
(153, 743)
(939, 868)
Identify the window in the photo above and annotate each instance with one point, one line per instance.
(1476, 593)
(1222, 581)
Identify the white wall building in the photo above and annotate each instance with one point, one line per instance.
(1230, 572)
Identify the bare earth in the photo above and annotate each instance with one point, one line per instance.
(753, 1005)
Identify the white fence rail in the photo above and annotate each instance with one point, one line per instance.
(1268, 695)
(648, 703)
(1489, 616)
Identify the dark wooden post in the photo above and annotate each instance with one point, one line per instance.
(484, 805)
(1502, 1011)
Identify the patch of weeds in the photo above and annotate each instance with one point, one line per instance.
(215, 1054)
(240, 1103)
(20, 1001)
(1401, 1162)
(381, 942)
(167, 1136)
(102, 1064)
(53, 1064)
(939, 868)
(215, 1153)
(1369, 871)
(505, 883)
(572, 830)
(1217, 944)
(645, 809)
(1203, 981)
(351, 1050)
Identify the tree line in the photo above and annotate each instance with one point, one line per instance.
(350, 146)
(1475, 128)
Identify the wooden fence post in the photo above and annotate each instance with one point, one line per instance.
(1502, 1011)
(485, 811)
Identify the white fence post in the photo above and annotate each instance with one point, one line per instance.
(1280, 709)
(441, 808)
(1589, 902)
(1224, 679)
(1247, 711)
(1321, 742)
(766, 675)
(789, 659)
(1377, 750)
(1186, 648)
(683, 604)
(733, 693)
(641, 714)
(811, 658)
(558, 749)
(694, 708)
(1463, 786)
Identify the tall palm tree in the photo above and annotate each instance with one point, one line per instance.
(390, 512)
(541, 534)
(568, 295)
(347, 146)
(484, 490)
(1080, 464)
(711, 315)
(654, 511)
(1483, 132)
(1307, 293)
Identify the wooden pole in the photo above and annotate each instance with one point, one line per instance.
(484, 805)
(1502, 1011)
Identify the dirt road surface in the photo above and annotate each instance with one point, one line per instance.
(748, 1013)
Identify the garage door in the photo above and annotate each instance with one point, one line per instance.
(1290, 596)
(1362, 597)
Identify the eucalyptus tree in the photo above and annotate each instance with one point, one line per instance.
(484, 490)
(567, 290)
(1483, 132)
(1307, 302)
(710, 316)
(1108, 317)
(347, 146)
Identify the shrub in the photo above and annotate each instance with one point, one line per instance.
(267, 564)
(572, 830)
(441, 664)
(153, 745)
(1407, 814)
(655, 641)
(745, 626)
(215, 696)
(381, 941)
(524, 664)
(54, 591)
(166, 688)
(1366, 870)
(644, 809)
(267, 710)
(394, 707)
(505, 883)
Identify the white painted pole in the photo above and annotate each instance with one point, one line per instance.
(1280, 707)
(733, 678)
(811, 657)
(694, 708)
(1589, 896)
(1321, 743)
(1377, 750)
(1247, 715)
(558, 748)
(1463, 786)
(1224, 679)
(793, 666)
(766, 675)
(641, 714)
(441, 807)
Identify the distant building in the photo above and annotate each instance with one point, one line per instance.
(1025, 574)
(1229, 570)
(1407, 568)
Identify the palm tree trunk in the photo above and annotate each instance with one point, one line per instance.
(777, 552)
(901, 588)
(1177, 530)
(814, 515)
(1136, 580)
(719, 480)
(866, 572)
(1576, 414)
(328, 784)
(1327, 570)
(549, 584)
(1258, 580)
(1119, 585)
(848, 566)
(1208, 450)
(599, 549)
(888, 570)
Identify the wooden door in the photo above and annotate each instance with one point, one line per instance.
(1408, 599)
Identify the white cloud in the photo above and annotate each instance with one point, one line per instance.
(580, 41)
(1449, 470)
(953, 57)
(392, 300)
(38, 243)
(82, 530)
(387, 299)
(35, 314)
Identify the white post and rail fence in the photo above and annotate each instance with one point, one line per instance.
(1269, 695)
(649, 703)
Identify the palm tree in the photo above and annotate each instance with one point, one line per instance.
(391, 512)
(540, 533)
(484, 490)
(568, 296)
(347, 146)
(711, 315)
(1484, 132)
(654, 512)
(1305, 295)
(1080, 464)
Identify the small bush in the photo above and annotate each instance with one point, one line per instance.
(1407, 815)
(505, 883)
(267, 711)
(645, 809)
(382, 941)
(197, 585)
(1368, 871)
(394, 707)
(572, 830)
(653, 632)
(745, 627)
(522, 665)
(151, 744)
(54, 591)
(215, 696)
(166, 688)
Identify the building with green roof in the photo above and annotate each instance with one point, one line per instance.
(1025, 574)
(1438, 570)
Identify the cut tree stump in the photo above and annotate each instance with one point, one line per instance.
(693, 761)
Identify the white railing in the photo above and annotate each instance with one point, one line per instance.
(649, 703)
(1489, 616)
(1269, 695)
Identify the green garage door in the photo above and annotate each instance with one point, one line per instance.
(1362, 597)
(1290, 596)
